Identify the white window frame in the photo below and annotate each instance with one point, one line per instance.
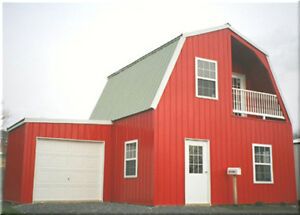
(209, 79)
(253, 163)
(127, 159)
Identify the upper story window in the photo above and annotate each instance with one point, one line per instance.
(206, 78)
(262, 163)
(131, 159)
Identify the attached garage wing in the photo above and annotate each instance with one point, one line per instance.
(68, 170)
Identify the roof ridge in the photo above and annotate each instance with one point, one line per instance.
(145, 56)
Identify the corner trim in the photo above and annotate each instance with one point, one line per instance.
(168, 73)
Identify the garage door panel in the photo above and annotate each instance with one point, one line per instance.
(68, 170)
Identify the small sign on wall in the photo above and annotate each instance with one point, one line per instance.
(234, 171)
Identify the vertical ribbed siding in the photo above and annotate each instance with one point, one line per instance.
(19, 188)
(14, 165)
(181, 115)
(134, 190)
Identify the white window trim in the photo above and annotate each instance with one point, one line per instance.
(136, 158)
(196, 78)
(253, 163)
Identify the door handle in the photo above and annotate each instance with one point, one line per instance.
(205, 171)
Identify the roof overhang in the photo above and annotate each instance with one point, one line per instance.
(58, 121)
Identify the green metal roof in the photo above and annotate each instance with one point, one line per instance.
(133, 88)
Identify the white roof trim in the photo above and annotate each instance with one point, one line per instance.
(66, 121)
(207, 30)
(221, 27)
(177, 51)
(296, 140)
(249, 41)
(168, 73)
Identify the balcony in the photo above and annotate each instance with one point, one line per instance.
(248, 102)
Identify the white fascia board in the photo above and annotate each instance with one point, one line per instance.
(168, 73)
(296, 140)
(249, 41)
(207, 30)
(61, 121)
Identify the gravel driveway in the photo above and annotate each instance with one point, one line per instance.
(116, 208)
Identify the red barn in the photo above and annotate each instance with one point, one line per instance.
(164, 132)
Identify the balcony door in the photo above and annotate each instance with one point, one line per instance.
(239, 97)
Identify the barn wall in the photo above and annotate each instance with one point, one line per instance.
(181, 115)
(297, 167)
(134, 190)
(14, 165)
(53, 130)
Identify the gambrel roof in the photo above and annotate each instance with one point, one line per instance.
(139, 86)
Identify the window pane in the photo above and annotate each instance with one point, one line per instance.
(262, 154)
(236, 83)
(212, 74)
(190, 149)
(206, 69)
(212, 66)
(131, 150)
(267, 159)
(130, 167)
(263, 172)
(206, 88)
(195, 159)
(206, 65)
(200, 168)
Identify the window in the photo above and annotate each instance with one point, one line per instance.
(262, 163)
(195, 159)
(206, 78)
(131, 159)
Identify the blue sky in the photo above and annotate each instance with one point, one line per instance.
(56, 57)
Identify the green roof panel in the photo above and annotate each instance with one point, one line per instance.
(133, 88)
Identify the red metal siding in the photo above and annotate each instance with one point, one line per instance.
(134, 190)
(181, 115)
(14, 165)
(26, 150)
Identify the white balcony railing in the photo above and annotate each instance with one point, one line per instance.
(256, 103)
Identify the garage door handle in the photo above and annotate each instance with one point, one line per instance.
(205, 172)
(68, 178)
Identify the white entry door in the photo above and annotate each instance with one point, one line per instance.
(68, 170)
(197, 172)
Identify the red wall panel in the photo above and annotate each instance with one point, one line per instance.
(181, 115)
(14, 165)
(21, 154)
(134, 190)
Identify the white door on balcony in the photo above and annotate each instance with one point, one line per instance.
(239, 100)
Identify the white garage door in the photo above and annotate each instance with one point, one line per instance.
(68, 170)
